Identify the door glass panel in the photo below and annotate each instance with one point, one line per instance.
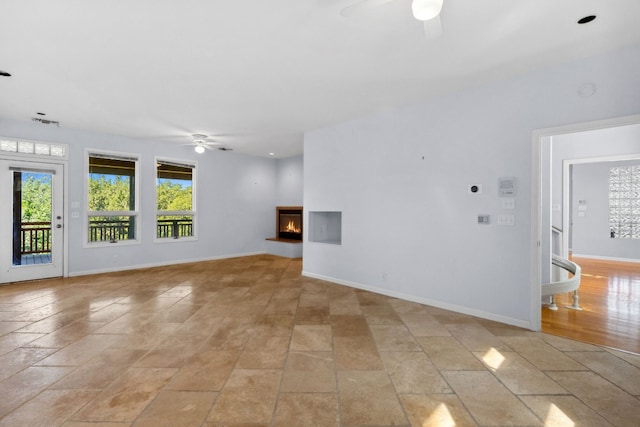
(32, 237)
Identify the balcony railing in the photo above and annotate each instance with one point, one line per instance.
(35, 237)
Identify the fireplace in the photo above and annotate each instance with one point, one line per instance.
(289, 223)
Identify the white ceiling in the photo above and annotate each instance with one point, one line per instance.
(259, 73)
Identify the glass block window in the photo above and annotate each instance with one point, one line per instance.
(624, 202)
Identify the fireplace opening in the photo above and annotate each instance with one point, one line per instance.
(289, 222)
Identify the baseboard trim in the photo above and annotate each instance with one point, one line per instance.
(161, 264)
(606, 258)
(412, 298)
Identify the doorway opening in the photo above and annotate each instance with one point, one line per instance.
(31, 220)
(609, 287)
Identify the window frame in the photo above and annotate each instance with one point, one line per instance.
(193, 212)
(115, 155)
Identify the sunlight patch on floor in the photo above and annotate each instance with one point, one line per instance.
(493, 359)
(441, 417)
(557, 418)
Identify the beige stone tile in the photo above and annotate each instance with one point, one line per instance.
(632, 358)
(609, 366)
(312, 315)
(147, 337)
(366, 298)
(67, 335)
(126, 397)
(566, 344)
(278, 325)
(94, 424)
(520, 376)
(436, 410)
(249, 396)
(488, 401)
(206, 370)
(476, 338)
(356, 352)
(381, 315)
(172, 352)
(15, 340)
(447, 353)
(108, 313)
(344, 302)
(8, 327)
(26, 384)
(560, 411)
(177, 408)
(317, 300)
(311, 338)
(406, 307)
(393, 338)
(349, 325)
(413, 372)
(80, 351)
(309, 372)
(49, 408)
(307, 409)
(262, 359)
(202, 323)
(612, 403)
(543, 355)
(422, 324)
(368, 398)
(101, 371)
(21, 358)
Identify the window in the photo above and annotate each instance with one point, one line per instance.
(174, 198)
(624, 202)
(112, 198)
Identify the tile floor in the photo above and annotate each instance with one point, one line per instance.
(250, 342)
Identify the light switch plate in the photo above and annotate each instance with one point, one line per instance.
(508, 203)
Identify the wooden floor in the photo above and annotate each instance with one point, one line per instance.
(610, 298)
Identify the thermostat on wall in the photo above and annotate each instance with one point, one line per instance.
(475, 189)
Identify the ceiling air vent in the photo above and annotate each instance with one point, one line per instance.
(45, 121)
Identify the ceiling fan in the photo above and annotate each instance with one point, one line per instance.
(201, 143)
(427, 11)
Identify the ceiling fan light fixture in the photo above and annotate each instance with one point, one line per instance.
(424, 10)
(199, 149)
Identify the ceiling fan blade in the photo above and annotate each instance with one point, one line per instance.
(433, 28)
(360, 6)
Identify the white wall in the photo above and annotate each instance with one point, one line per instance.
(400, 179)
(290, 180)
(591, 233)
(235, 200)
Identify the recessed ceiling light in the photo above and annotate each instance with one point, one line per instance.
(4, 74)
(586, 19)
(272, 154)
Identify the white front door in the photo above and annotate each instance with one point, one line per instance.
(31, 220)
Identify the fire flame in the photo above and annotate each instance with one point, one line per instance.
(291, 228)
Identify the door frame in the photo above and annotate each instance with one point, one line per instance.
(64, 163)
(539, 219)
